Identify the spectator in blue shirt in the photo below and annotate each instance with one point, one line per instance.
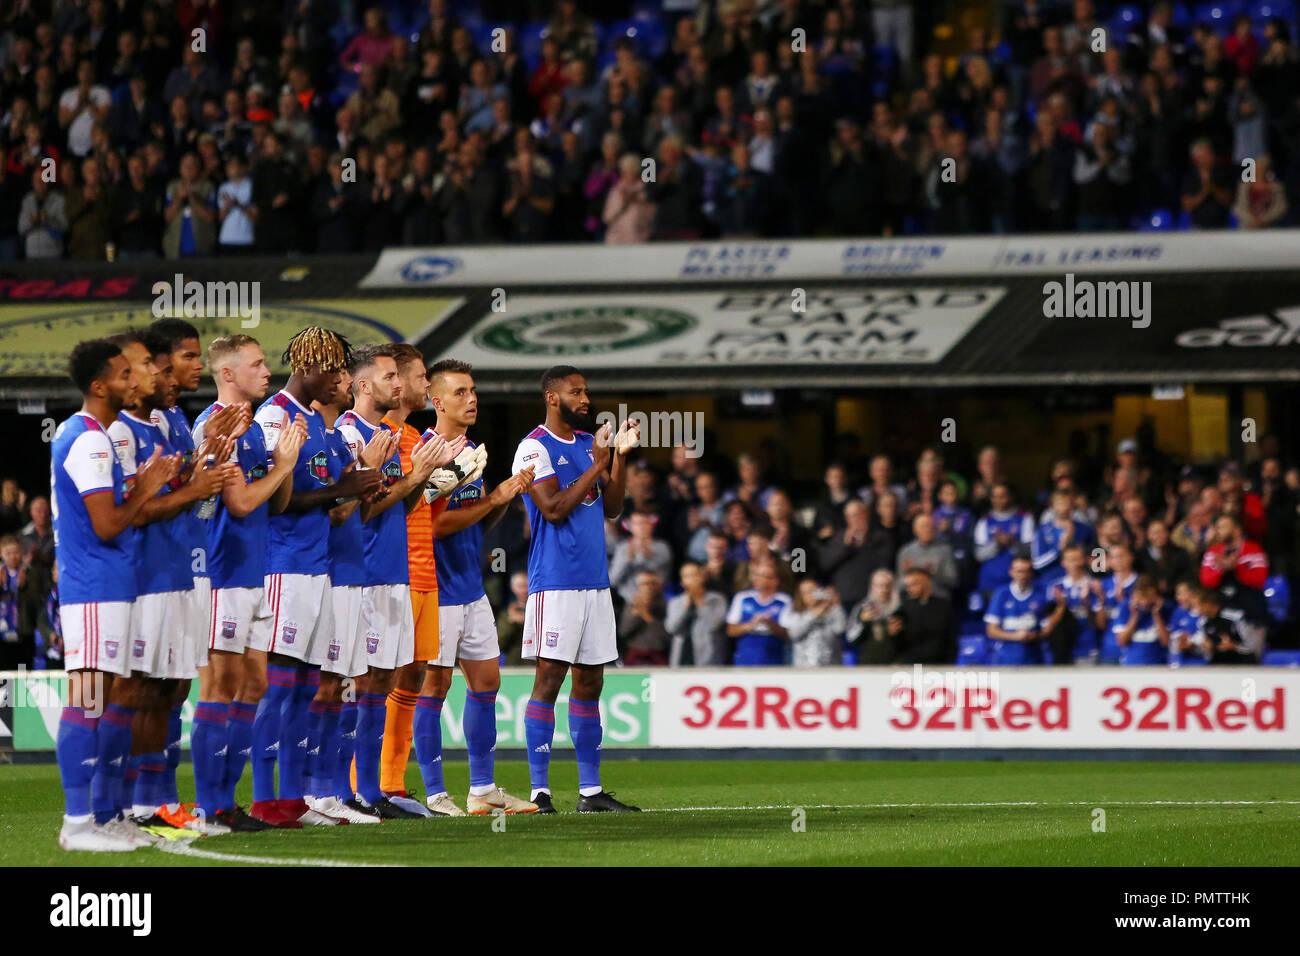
(758, 620)
(235, 207)
(1142, 635)
(1019, 615)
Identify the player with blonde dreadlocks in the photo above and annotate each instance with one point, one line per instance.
(296, 640)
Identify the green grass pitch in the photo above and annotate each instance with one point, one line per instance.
(731, 812)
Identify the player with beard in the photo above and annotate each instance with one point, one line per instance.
(234, 680)
(467, 628)
(387, 617)
(92, 515)
(160, 615)
(191, 538)
(398, 723)
(569, 618)
(297, 580)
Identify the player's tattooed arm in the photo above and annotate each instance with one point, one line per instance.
(242, 497)
(489, 510)
(109, 519)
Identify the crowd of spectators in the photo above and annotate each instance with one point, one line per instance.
(281, 130)
(1116, 559)
(28, 588)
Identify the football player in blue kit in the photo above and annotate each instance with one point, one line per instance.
(569, 618)
(297, 579)
(92, 514)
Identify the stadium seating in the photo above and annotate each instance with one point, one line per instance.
(1277, 592)
(972, 650)
(1281, 658)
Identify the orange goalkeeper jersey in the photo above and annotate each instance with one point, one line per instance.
(419, 522)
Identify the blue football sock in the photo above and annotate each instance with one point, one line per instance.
(168, 792)
(322, 749)
(148, 785)
(239, 744)
(427, 735)
(479, 723)
(114, 746)
(584, 728)
(266, 730)
(76, 748)
(539, 732)
(207, 752)
(295, 729)
(371, 713)
(347, 749)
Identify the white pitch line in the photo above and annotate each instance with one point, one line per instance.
(1007, 803)
(184, 849)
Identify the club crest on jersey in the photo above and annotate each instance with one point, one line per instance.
(592, 496)
(320, 467)
(257, 471)
(137, 649)
(228, 630)
(372, 643)
(392, 472)
(288, 634)
(110, 648)
(552, 638)
(333, 652)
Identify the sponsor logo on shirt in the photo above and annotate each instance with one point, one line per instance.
(562, 461)
(319, 467)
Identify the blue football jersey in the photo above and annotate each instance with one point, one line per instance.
(298, 542)
(1144, 646)
(237, 546)
(82, 462)
(457, 556)
(1047, 543)
(995, 562)
(159, 564)
(189, 529)
(1114, 596)
(1014, 610)
(385, 536)
(569, 556)
(347, 543)
(757, 649)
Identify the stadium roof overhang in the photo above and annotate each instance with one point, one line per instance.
(1130, 309)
